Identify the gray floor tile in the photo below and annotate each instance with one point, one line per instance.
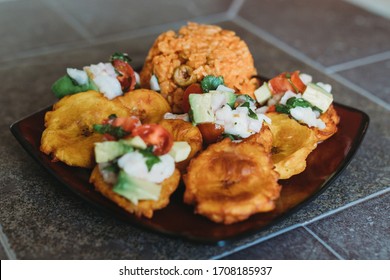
(296, 244)
(359, 232)
(28, 25)
(330, 32)
(123, 16)
(372, 77)
(3, 255)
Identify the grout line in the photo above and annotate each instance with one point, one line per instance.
(360, 90)
(257, 241)
(234, 8)
(42, 51)
(258, 31)
(146, 31)
(358, 62)
(5, 244)
(346, 206)
(326, 245)
(70, 20)
(157, 29)
(304, 225)
(310, 62)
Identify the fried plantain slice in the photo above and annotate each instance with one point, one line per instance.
(144, 207)
(148, 105)
(230, 181)
(331, 120)
(69, 135)
(263, 137)
(184, 131)
(292, 143)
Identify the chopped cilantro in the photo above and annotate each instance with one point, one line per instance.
(251, 114)
(293, 102)
(151, 158)
(211, 82)
(121, 56)
(298, 102)
(112, 168)
(116, 131)
(231, 136)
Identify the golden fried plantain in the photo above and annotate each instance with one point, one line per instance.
(263, 137)
(331, 120)
(184, 131)
(144, 207)
(69, 135)
(148, 105)
(230, 181)
(292, 143)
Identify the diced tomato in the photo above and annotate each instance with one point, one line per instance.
(296, 80)
(109, 137)
(211, 132)
(127, 123)
(155, 135)
(127, 75)
(194, 88)
(271, 108)
(280, 84)
(287, 81)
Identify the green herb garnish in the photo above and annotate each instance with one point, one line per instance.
(231, 136)
(298, 102)
(211, 82)
(251, 114)
(293, 102)
(121, 56)
(112, 168)
(151, 158)
(116, 131)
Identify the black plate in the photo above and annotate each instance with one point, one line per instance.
(324, 164)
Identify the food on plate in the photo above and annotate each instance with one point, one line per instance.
(331, 120)
(144, 207)
(221, 113)
(148, 105)
(69, 136)
(136, 169)
(184, 131)
(111, 79)
(309, 103)
(264, 137)
(196, 112)
(177, 60)
(228, 182)
(292, 143)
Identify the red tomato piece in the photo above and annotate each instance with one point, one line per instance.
(296, 80)
(127, 123)
(127, 75)
(211, 132)
(271, 108)
(194, 88)
(155, 135)
(280, 84)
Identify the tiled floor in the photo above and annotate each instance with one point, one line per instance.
(342, 44)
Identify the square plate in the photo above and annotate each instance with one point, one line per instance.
(324, 164)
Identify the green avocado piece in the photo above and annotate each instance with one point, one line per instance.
(109, 150)
(66, 86)
(135, 189)
(201, 105)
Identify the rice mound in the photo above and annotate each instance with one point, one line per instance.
(207, 50)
